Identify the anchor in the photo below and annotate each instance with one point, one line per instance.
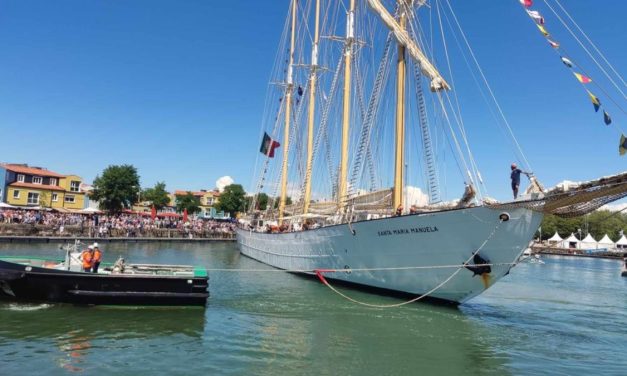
(480, 269)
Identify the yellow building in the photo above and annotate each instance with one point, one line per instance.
(208, 199)
(25, 185)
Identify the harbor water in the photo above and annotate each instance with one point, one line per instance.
(563, 317)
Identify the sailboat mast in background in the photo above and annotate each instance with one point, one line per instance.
(288, 114)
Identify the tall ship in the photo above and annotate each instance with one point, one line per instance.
(363, 139)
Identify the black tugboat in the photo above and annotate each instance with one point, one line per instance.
(62, 281)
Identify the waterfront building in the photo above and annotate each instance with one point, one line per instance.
(30, 186)
(207, 200)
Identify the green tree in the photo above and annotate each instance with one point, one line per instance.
(157, 195)
(117, 188)
(277, 200)
(232, 199)
(189, 202)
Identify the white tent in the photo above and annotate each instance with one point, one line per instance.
(555, 239)
(4, 205)
(570, 242)
(622, 243)
(588, 243)
(90, 210)
(606, 242)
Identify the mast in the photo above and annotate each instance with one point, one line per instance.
(312, 108)
(288, 115)
(399, 143)
(348, 52)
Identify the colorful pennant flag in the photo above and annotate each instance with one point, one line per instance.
(595, 101)
(268, 145)
(583, 79)
(567, 62)
(553, 44)
(536, 16)
(526, 3)
(606, 118)
(622, 147)
(543, 30)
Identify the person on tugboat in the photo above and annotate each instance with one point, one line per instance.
(97, 256)
(87, 257)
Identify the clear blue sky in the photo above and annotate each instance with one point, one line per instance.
(177, 88)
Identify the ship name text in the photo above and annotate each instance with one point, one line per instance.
(404, 231)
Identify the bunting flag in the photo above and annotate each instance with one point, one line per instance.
(536, 16)
(622, 147)
(583, 79)
(268, 145)
(595, 101)
(543, 30)
(553, 44)
(606, 118)
(567, 62)
(526, 3)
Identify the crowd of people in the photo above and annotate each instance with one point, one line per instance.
(119, 225)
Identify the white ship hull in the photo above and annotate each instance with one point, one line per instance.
(398, 252)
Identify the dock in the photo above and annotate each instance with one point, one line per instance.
(65, 239)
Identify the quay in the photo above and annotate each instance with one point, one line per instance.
(65, 239)
(573, 252)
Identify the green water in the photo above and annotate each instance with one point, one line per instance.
(563, 317)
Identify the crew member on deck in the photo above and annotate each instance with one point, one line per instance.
(515, 176)
(96, 259)
(87, 256)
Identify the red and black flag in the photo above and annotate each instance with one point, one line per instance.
(268, 145)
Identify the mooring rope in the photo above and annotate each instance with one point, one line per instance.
(419, 297)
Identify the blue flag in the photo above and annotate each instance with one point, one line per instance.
(606, 118)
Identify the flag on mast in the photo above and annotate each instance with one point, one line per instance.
(543, 30)
(526, 3)
(606, 118)
(536, 16)
(268, 145)
(595, 101)
(583, 79)
(567, 62)
(622, 147)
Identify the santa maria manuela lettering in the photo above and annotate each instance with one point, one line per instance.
(404, 231)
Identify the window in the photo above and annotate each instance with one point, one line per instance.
(53, 181)
(209, 200)
(69, 199)
(33, 198)
(74, 185)
(20, 178)
(55, 197)
(37, 180)
(16, 193)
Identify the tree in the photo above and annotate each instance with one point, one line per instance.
(117, 188)
(232, 199)
(288, 201)
(157, 195)
(189, 202)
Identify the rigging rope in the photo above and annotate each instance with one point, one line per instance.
(485, 80)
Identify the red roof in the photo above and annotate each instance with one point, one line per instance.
(37, 186)
(31, 170)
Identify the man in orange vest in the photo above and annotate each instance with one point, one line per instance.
(97, 256)
(87, 257)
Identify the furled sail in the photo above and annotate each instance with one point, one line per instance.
(437, 82)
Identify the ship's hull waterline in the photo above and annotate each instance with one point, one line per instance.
(407, 253)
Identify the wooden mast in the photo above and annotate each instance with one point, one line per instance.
(399, 144)
(348, 52)
(312, 109)
(288, 115)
